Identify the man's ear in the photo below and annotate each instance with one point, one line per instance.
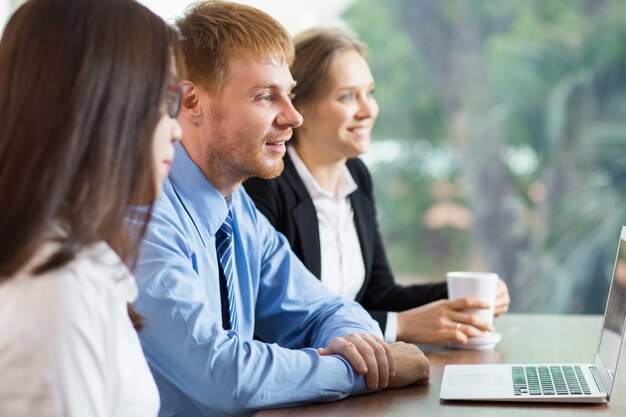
(190, 106)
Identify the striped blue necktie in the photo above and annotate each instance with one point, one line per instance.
(224, 246)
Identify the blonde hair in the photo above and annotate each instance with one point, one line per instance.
(315, 51)
(216, 31)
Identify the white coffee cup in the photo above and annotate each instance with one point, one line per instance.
(480, 285)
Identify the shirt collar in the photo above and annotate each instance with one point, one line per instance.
(204, 203)
(346, 185)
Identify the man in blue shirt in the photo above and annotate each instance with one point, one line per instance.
(214, 274)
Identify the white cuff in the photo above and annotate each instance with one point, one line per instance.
(391, 329)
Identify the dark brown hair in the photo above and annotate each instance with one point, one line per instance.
(315, 50)
(216, 31)
(82, 87)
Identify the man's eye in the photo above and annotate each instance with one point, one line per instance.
(291, 96)
(265, 97)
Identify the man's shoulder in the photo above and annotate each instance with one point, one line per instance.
(166, 206)
(169, 216)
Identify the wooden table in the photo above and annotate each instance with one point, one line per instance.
(525, 339)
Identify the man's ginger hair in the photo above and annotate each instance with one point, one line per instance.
(216, 31)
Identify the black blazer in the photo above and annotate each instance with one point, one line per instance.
(288, 206)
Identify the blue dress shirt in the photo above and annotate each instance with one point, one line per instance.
(203, 370)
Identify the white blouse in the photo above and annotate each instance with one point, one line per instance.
(343, 269)
(67, 345)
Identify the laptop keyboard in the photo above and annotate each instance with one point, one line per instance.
(549, 380)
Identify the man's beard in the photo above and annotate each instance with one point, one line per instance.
(269, 172)
(254, 165)
(273, 171)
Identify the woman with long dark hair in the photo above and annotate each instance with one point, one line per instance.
(88, 100)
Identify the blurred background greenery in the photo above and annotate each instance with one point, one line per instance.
(501, 143)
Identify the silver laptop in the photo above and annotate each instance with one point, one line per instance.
(552, 382)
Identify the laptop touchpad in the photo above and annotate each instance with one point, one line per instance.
(475, 380)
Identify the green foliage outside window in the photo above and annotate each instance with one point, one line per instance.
(511, 112)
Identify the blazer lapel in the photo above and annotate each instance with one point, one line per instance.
(305, 220)
(363, 221)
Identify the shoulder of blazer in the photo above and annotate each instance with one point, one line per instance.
(361, 175)
(287, 187)
(291, 178)
(302, 219)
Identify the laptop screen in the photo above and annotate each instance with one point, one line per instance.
(615, 316)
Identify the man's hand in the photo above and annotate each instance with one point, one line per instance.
(368, 354)
(412, 366)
